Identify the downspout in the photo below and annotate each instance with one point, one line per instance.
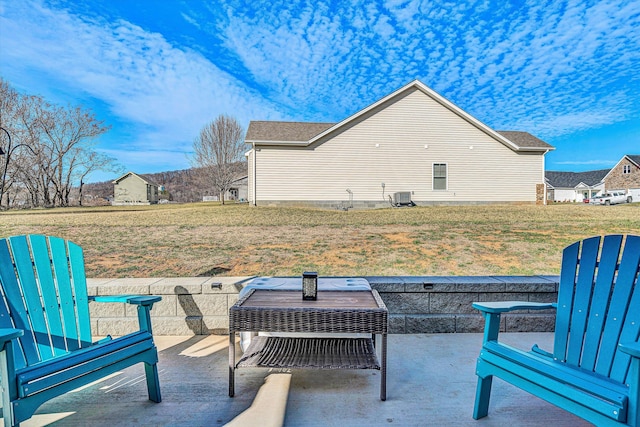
(544, 179)
(255, 154)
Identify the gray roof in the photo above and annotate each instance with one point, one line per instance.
(144, 177)
(302, 131)
(572, 179)
(524, 139)
(284, 131)
(634, 158)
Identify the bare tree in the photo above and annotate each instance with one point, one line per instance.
(69, 136)
(8, 105)
(219, 149)
(51, 149)
(91, 161)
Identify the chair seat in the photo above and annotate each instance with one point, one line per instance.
(608, 397)
(43, 375)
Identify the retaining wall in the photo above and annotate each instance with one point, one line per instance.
(417, 304)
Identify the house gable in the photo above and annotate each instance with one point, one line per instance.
(625, 175)
(539, 146)
(306, 134)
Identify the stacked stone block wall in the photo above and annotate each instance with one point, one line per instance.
(417, 304)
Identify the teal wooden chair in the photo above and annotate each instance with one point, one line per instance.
(594, 369)
(46, 347)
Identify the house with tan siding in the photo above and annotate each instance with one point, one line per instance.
(134, 189)
(411, 147)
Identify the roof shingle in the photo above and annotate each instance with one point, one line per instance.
(634, 158)
(284, 131)
(304, 131)
(524, 139)
(572, 179)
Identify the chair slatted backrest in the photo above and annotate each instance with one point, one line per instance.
(599, 304)
(44, 292)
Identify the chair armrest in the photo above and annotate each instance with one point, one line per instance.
(632, 348)
(492, 311)
(128, 299)
(506, 306)
(7, 335)
(144, 303)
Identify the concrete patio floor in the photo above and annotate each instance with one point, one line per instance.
(431, 382)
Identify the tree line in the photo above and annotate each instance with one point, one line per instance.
(47, 149)
(179, 186)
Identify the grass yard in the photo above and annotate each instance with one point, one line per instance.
(206, 239)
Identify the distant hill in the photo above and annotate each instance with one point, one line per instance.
(182, 186)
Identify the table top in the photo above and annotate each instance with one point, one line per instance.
(265, 298)
(295, 284)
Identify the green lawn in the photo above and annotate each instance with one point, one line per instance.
(238, 240)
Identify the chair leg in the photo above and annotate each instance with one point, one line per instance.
(153, 382)
(8, 419)
(483, 393)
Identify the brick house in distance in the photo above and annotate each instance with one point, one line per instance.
(625, 177)
(580, 186)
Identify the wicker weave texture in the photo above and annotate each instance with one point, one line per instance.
(281, 319)
(309, 321)
(310, 353)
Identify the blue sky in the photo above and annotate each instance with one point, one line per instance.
(157, 70)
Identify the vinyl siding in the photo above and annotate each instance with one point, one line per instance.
(388, 145)
(133, 189)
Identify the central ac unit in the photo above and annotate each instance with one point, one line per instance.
(402, 198)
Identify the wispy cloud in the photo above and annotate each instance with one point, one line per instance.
(168, 93)
(519, 64)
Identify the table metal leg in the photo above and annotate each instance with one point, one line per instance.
(383, 369)
(232, 362)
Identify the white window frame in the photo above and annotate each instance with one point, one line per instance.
(626, 169)
(433, 176)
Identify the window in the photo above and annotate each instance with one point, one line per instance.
(626, 169)
(439, 176)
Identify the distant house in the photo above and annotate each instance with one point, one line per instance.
(578, 186)
(574, 186)
(625, 176)
(134, 189)
(412, 146)
(237, 192)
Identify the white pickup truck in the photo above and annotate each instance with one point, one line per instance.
(613, 198)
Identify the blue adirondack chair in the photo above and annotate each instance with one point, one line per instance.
(594, 369)
(46, 347)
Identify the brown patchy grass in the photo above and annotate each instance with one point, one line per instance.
(239, 240)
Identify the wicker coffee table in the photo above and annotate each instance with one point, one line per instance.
(333, 312)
